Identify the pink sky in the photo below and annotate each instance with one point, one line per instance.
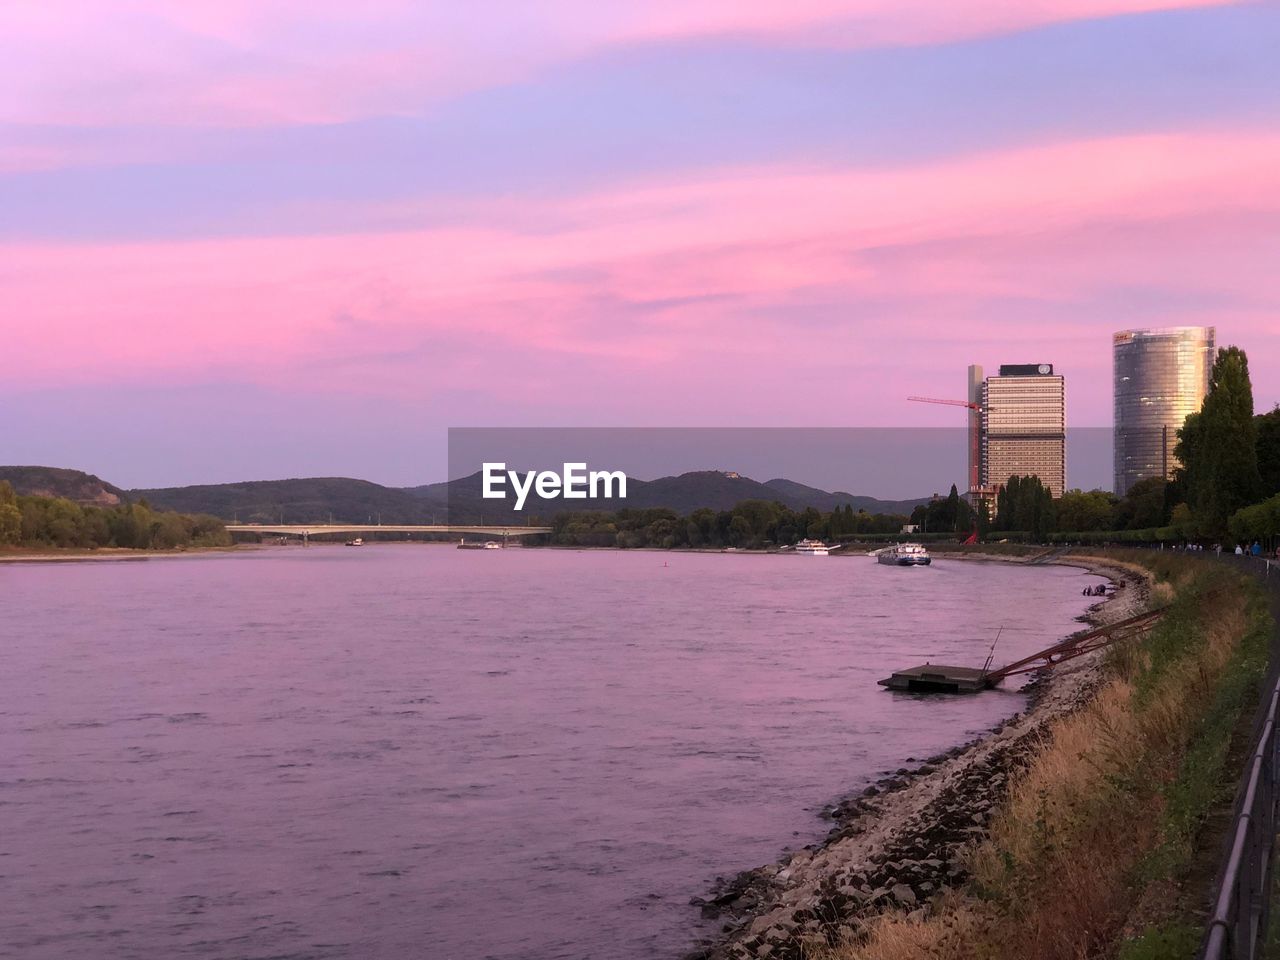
(681, 210)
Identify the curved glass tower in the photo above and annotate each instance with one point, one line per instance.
(1160, 377)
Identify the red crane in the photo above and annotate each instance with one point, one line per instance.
(975, 435)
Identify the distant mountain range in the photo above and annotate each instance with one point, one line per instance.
(317, 499)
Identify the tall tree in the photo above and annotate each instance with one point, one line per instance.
(1218, 446)
(1268, 427)
(1025, 504)
(953, 507)
(1006, 498)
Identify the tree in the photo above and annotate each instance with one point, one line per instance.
(64, 523)
(1218, 446)
(1079, 511)
(1268, 427)
(1182, 519)
(949, 514)
(10, 516)
(1145, 505)
(739, 531)
(169, 530)
(1258, 522)
(1025, 504)
(812, 523)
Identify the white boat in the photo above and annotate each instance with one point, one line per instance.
(905, 555)
(487, 545)
(357, 542)
(812, 548)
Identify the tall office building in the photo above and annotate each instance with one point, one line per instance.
(1023, 425)
(974, 396)
(1160, 377)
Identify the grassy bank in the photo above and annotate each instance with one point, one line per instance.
(1094, 851)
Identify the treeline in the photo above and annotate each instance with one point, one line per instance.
(1025, 506)
(949, 514)
(752, 524)
(35, 521)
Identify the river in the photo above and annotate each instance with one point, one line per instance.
(405, 751)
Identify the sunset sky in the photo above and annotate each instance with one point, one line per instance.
(250, 239)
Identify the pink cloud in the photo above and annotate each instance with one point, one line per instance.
(240, 62)
(818, 272)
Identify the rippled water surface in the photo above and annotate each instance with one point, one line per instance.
(406, 751)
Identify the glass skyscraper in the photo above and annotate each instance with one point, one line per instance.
(1160, 377)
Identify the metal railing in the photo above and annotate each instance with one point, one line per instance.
(1238, 925)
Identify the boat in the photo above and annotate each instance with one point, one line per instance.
(812, 548)
(357, 542)
(475, 545)
(905, 555)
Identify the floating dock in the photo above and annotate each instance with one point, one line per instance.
(936, 678)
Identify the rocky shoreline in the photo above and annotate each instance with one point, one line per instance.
(900, 843)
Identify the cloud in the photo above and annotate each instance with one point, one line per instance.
(847, 277)
(238, 62)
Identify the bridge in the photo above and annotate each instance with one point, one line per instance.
(306, 530)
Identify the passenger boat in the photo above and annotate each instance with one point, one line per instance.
(812, 548)
(905, 555)
(487, 545)
(357, 542)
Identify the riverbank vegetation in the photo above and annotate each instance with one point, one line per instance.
(1092, 852)
(751, 524)
(35, 521)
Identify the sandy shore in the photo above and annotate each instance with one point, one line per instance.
(110, 554)
(899, 842)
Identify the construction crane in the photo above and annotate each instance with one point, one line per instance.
(975, 436)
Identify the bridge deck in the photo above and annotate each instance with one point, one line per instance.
(314, 529)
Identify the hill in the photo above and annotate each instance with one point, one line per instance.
(713, 489)
(309, 500)
(793, 493)
(348, 500)
(83, 488)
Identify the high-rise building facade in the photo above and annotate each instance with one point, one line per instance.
(1024, 426)
(976, 384)
(1160, 377)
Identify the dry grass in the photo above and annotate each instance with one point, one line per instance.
(1054, 880)
(949, 935)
